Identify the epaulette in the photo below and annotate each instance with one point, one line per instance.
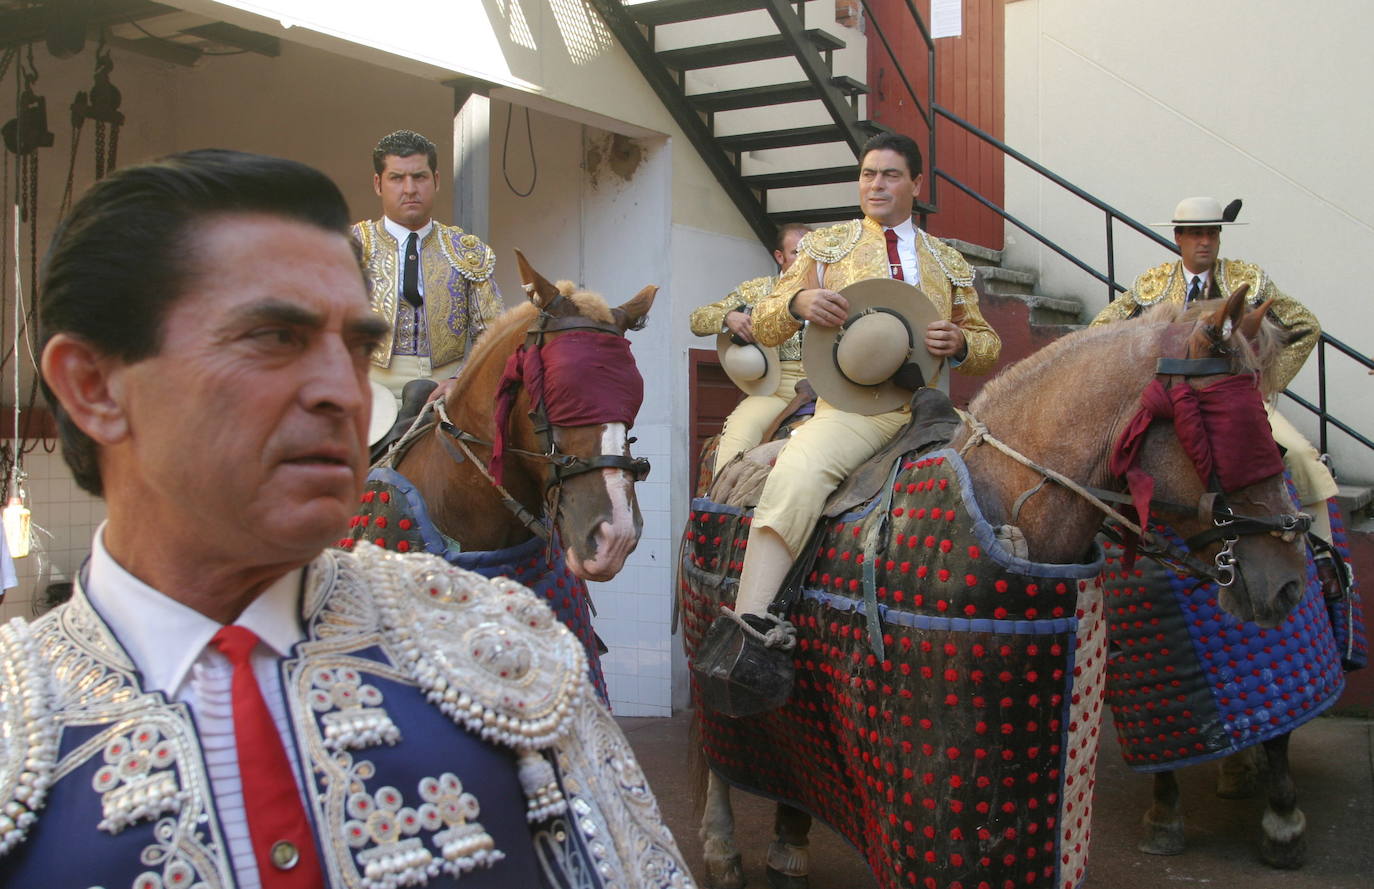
(1153, 284)
(832, 243)
(487, 652)
(755, 289)
(28, 732)
(951, 261)
(466, 253)
(1235, 272)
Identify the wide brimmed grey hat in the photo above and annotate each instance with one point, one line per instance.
(1202, 212)
(753, 367)
(856, 366)
(384, 412)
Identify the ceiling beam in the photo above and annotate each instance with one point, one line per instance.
(30, 24)
(239, 38)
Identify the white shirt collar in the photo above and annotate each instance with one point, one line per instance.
(906, 231)
(164, 637)
(400, 232)
(1188, 277)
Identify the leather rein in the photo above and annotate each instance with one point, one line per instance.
(562, 466)
(1227, 526)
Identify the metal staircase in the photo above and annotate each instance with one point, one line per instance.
(811, 78)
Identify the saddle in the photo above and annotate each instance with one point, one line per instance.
(933, 422)
(414, 396)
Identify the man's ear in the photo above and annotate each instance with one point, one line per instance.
(88, 383)
(377, 183)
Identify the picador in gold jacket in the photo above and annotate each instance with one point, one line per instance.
(825, 449)
(765, 398)
(1200, 273)
(433, 282)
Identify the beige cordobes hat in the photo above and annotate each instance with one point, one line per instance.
(753, 367)
(384, 412)
(853, 366)
(1202, 213)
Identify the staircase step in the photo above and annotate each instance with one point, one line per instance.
(667, 12)
(781, 138)
(1354, 499)
(983, 256)
(818, 214)
(750, 49)
(1006, 281)
(758, 96)
(800, 178)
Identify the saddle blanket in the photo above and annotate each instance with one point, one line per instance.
(959, 749)
(393, 515)
(1188, 682)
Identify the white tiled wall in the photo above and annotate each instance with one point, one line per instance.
(64, 518)
(633, 609)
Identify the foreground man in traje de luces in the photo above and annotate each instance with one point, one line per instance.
(224, 702)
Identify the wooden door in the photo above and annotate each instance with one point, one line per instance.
(968, 80)
(713, 397)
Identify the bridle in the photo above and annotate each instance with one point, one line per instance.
(1226, 525)
(561, 466)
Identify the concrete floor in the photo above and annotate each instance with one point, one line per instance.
(1333, 766)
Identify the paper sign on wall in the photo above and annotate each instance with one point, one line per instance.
(946, 18)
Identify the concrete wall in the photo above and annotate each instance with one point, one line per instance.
(1143, 104)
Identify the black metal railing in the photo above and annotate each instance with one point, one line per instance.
(931, 112)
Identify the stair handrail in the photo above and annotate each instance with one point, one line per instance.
(1324, 418)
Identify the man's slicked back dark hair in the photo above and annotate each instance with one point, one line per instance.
(404, 143)
(123, 255)
(786, 229)
(903, 145)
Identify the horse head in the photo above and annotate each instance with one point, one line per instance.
(1217, 474)
(580, 393)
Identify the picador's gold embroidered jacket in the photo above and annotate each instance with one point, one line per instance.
(446, 730)
(709, 320)
(460, 295)
(855, 251)
(1167, 283)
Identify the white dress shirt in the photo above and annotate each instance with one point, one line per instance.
(1188, 282)
(169, 644)
(411, 333)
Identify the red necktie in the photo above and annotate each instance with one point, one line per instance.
(283, 843)
(894, 259)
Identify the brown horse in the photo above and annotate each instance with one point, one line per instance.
(595, 511)
(523, 469)
(873, 749)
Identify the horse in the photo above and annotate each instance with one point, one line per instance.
(546, 397)
(950, 644)
(1243, 688)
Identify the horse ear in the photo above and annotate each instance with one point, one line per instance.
(537, 288)
(1215, 328)
(1250, 324)
(630, 315)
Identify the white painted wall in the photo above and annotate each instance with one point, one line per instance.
(1146, 103)
(328, 98)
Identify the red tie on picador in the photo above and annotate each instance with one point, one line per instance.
(894, 259)
(283, 844)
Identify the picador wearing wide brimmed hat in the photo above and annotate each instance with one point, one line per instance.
(869, 350)
(768, 375)
(1200, 273)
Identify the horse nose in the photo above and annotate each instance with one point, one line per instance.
(1286, 599)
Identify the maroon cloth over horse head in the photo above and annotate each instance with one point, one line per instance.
(584, 378)
(1223, 428)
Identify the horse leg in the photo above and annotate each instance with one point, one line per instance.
(723, 867)
(1164, 819)
(1285, 840)
(1238, 775)
(789, 860)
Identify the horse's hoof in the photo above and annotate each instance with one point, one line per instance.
(1162, 839)
(779, 880)
(1284, 856)
(727, 874)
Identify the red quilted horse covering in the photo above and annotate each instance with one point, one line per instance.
(964, 756)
